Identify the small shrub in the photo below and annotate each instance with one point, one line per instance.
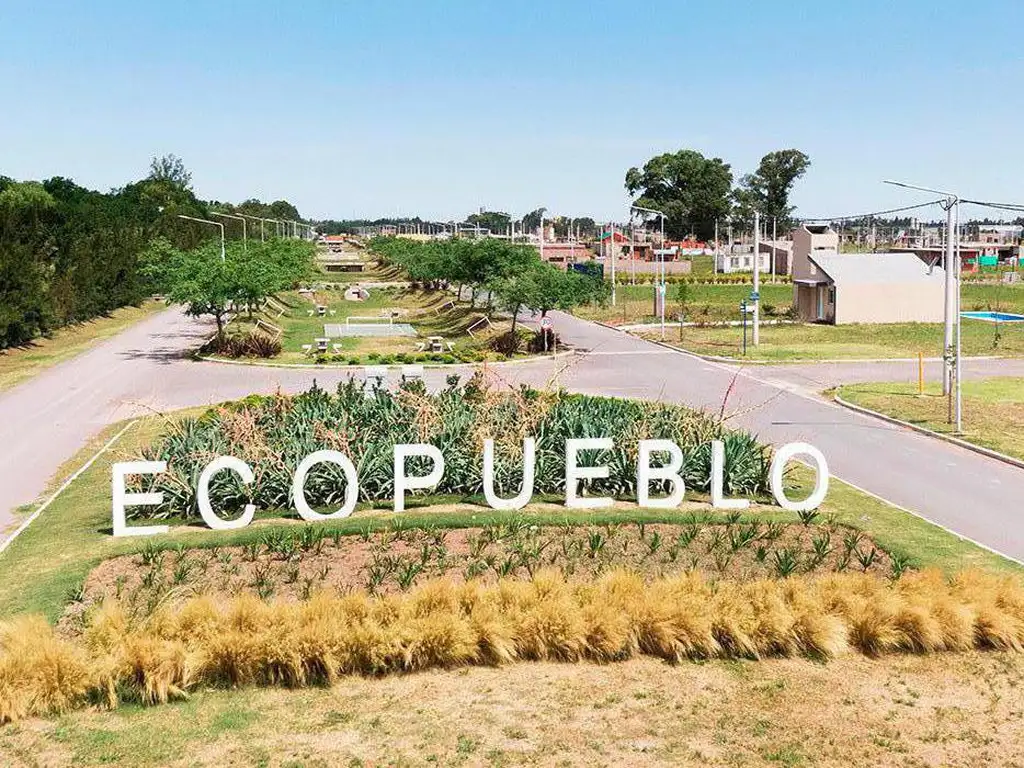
(536, 344)
(507, 344)
(252, 344)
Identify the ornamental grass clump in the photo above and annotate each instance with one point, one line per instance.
(155, 657)
(273, 434)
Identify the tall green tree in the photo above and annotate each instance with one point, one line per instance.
(531, 221)
(495, 221)
(690, 189)
(768, 188)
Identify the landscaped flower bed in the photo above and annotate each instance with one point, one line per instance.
(292, 563)
(273, 434)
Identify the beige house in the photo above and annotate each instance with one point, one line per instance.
(830, 287)
(808, 239)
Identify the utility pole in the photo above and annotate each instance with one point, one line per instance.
(774, 247)
(756, 336)
(632, 251)
(542, 238)
(611, 250)
(950, 303)
(714, 257)
(661, 287)
(952, 290)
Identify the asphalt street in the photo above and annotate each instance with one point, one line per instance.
(46, 420)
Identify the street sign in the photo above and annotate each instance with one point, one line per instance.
(755, 296)
(545, 323)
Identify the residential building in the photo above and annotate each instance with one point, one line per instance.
(830, 287)
(740, 258)
(811, 238)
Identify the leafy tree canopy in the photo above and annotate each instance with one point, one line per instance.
(768, 188)
(690, 189)
(495, 221)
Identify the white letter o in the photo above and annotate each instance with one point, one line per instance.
(299, 484)
(779, 461)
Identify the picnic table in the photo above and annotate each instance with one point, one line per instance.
(321, 344)
(438, 344)
(321, 310)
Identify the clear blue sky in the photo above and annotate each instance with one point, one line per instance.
(403, 108)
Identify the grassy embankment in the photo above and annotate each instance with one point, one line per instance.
(993, 409)
(429, 313)
(21, 363)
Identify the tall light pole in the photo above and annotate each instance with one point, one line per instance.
(611, 251)
(245, 236)
(262, 222)
(714, 258)
(542, 238)
(214, 223)
(952, 294)
(661, 286)
(756, 338)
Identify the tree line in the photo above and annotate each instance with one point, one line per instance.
(69, 254)
(497, 273)
(694, 192)
(207, 284)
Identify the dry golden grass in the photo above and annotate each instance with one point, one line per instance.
(244, 641)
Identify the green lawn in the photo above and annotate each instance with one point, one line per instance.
(704, 303)
(800, 341)
(998, 297)
(21, 363)
(993, 409)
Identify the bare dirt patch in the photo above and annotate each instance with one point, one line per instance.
(291, 563)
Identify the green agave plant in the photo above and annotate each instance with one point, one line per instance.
(272, 434)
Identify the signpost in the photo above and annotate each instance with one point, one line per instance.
(743, 313)
(545, 329)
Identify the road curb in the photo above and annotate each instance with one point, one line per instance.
(837, 398)
(63, 487)
(397, 366)
(797, 360)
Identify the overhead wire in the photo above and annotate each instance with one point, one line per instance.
(873, 214)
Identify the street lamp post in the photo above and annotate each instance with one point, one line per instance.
(245, 235)
(614, 256)
(951, 350)
(661, 286)
(262, 222)
(756, 334)
(214, 223)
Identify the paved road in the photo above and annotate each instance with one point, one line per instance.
(44, 423)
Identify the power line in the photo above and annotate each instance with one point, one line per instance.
(1001, 206)
(874, 214)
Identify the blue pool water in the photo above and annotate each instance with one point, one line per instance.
(994, 317)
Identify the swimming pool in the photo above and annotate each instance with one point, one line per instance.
(993, 317)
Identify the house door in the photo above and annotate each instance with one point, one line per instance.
(821, 303)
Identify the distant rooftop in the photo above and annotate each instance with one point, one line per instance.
(875, 267)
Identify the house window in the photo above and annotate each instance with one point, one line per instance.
(832, 295)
